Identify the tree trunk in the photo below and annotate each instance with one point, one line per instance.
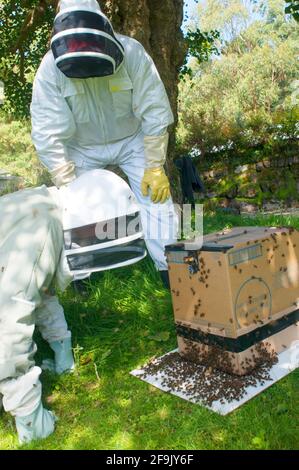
(157, 25)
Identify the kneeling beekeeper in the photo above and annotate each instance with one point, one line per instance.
(47, 235)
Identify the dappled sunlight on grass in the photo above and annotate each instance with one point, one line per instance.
(121, 440)
(163, 413)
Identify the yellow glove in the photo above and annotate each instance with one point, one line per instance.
(156, 180)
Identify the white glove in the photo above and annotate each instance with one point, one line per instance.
(63, 174)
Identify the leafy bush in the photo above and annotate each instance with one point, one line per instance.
(17, 154)
(247, 100)
(24, 39)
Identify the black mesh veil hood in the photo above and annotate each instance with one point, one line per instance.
(84, 44)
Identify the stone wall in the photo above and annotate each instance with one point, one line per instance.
(267, 184)
(9, 183)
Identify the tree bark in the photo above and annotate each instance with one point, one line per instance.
(157, 25)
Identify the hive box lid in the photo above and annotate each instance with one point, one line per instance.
(227, 239)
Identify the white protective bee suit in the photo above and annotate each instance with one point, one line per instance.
(31, 241)
(119, 119)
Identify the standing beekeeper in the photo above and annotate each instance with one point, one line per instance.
(31, 241)
(98, 100)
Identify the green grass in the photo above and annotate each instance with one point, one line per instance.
(101, 406)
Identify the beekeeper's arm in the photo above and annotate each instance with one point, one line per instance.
(151, 106)
(52, 125)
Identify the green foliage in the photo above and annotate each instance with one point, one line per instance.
(249, 96)
(287, 189)
(293, 8)
(17, 154)
(24, 38)
(201, 46)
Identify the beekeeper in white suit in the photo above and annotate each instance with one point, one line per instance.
(98, 100)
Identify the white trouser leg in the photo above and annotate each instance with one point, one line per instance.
(19, 383)
(50, 320)
(159, 221)
(21, 396)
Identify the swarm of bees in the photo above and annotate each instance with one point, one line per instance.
(207, 383)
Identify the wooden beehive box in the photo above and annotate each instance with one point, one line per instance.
(237, 291)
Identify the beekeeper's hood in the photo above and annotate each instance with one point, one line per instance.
(84, 44)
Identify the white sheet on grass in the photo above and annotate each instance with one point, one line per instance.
(288, 361)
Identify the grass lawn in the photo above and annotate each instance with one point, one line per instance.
(102, 407)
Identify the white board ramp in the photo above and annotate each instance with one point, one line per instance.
(288, 361)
